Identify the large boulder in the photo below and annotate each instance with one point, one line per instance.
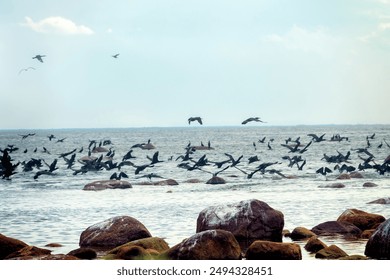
(113, 232)
(268, 250)
(378, 246)
(107, 184)
(300, 233)
(337, 228)
(331, 252)
(9, 245)
(361, 219)
(247, 220)
(206, 245)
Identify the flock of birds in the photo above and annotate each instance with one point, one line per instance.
(102, 156)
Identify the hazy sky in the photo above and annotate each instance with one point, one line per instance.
(286, 61)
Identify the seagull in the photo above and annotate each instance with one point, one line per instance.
(39, 57)
(198, 119)
(26, 69)
(252, 119)
(115, 55)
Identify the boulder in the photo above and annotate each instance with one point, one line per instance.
(361, 219)
(333, 186)
(331, 252)
(132, 252)
(29, 252)
(356, 175)
(215, 180)
(268, 250)
(343, 176)
(9, 245)
(167, 182)
(337, 228)
(369, 185)
(113, 232)
(314, 244)
(206, 245)
(385, 200)
(107, 184)
(378, 246)
(83, 253)
(300, 233)
(247, 220)
(156, 244)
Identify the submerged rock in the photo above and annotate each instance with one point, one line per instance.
(337, 228)
(113, 232)
(333, 186)
(107, 184)
(385, 200)
(247, 220)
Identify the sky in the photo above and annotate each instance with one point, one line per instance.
(289, 62)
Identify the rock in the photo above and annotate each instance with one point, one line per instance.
(335, 228)
(58, 257)
(193, 181)
(167, 182)
(133, 252)
(333, 186)
(343, 176)
(100, 150)
(53, 245)
(247, 220)
(206, 245)
(356, 175)
(151, 243)
(331, 252)
(107, 184)
(215, 180)
(29, 252)
(113, 232)
(268, 250)
(9, 245)
(353, 258)
(83, 253)
(367, 233)
(314, 244)
(300, 233)
(148, 146)
(378, 246)
(385, 200)
(361, 219)
(369, 185)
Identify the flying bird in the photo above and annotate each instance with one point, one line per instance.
(198, 119)
(252, 119)
(39, 57)
(26, 69)
(115, 55)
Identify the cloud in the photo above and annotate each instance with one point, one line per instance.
(298, 38)
(57, 25)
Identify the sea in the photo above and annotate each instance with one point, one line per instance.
(55, 209)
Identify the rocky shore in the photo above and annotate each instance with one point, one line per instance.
(249, 229)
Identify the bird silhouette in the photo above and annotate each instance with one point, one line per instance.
(39, 57)
(198, 119)
(115, 55)
(26, 69)
(252, 119)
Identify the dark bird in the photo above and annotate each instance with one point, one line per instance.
(39, 57)
(154, 159)
(116, 176)
(192, 119)
(253, 119)
(316, 138)
(323, 171)
(115, 55)
(26, 69)
(27, 135)
(51, 136)
(7, 169)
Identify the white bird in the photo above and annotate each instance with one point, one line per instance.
(26, 69)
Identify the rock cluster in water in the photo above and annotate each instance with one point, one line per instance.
(248, 229)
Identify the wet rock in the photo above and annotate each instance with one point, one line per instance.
(167, 182)
(107, 184)
(353, 258)
(193, 181)
(83, 253)
(100, 150)
(385, 200)
(369, 185)
(337, 228)
(378, 246)
(9, 245)
(344, 176)
(247, 220)
(356, 175)
(331, 252)
(215, 180)
(314, 244)
(269, 250)
(206, 245)
(53, 245)
(150, 245)
(29, 252)
(133, 252)
(58, 257)
(300, 233)
(333, 186)
(113, 232)
(367, 233)
(361, 219)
